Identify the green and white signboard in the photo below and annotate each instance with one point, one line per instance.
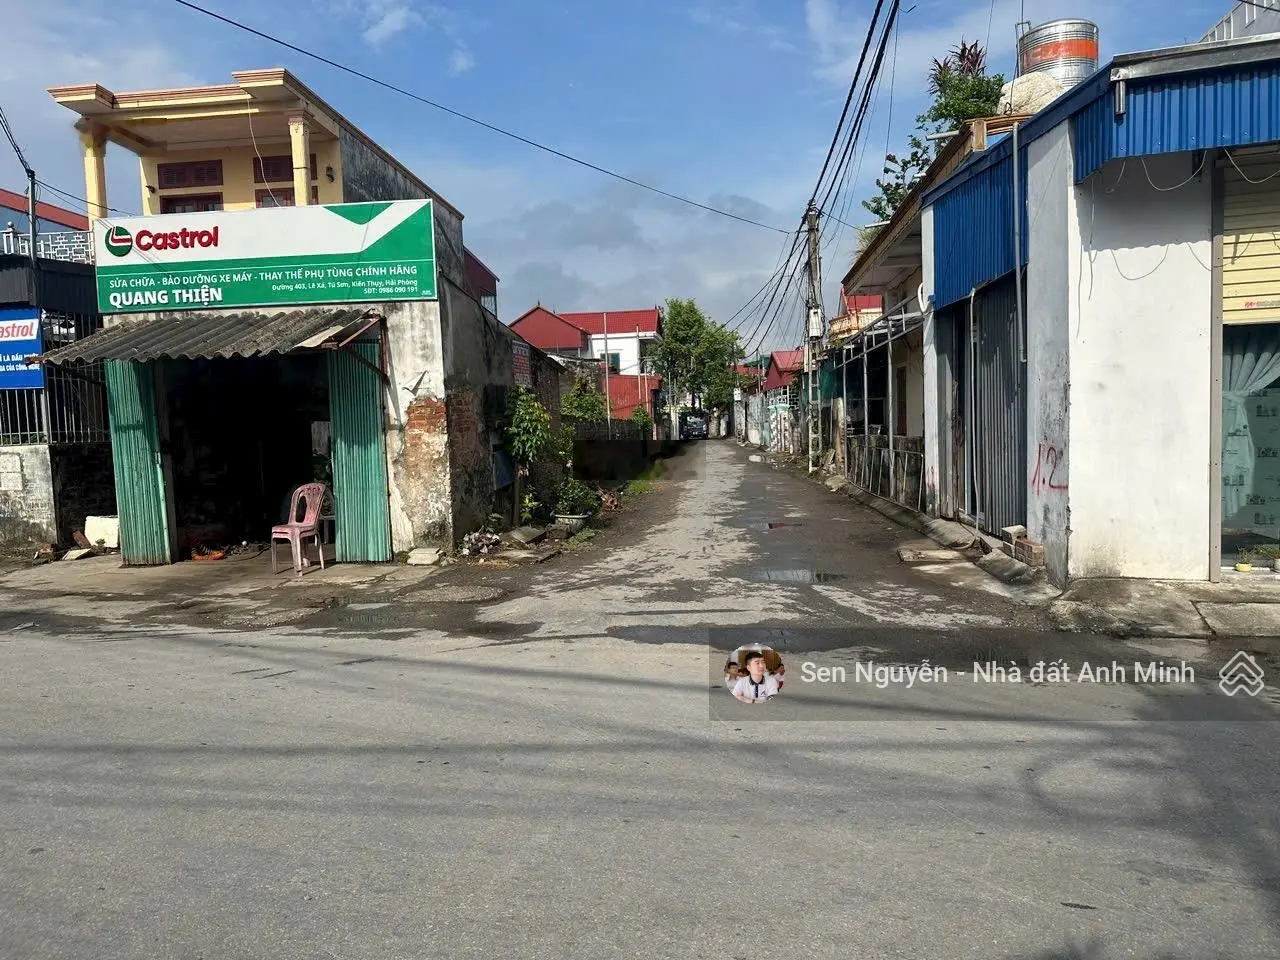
(271, 257)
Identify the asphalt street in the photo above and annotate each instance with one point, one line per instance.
(543, 763)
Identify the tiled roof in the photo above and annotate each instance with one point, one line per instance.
(619, 321)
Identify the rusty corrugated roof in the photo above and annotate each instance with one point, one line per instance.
(209, 335)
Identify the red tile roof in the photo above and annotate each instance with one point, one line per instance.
(549, 331)
(620, 321)
(783, 366)
(628, 391)
(44, 211)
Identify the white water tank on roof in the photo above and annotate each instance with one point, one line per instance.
(1067, 50)
(1029, 94)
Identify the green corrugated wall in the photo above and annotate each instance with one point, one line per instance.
(363, 516)
(135, 449)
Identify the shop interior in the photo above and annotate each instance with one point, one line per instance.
(243, 433)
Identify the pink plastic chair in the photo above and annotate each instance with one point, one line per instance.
(295, 530)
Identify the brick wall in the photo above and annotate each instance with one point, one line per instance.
(83, 485)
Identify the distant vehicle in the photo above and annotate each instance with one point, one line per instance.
(693, 425)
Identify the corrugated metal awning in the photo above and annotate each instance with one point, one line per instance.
(212, 335)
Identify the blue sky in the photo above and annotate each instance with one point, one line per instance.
(729, 102)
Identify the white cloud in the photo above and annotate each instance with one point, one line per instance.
(739, 19)
(460, 61)
(388, 20)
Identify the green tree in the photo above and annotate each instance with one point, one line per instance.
(683, 327)
(584, 402)
(640, 417)
(696, 355)
(718, 356)
(962, 90)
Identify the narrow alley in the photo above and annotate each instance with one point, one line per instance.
(402, 776)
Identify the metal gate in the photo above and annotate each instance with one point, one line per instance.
(997, 429)
(362, 518)
(139, 472)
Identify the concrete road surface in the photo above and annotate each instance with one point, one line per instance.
(526, 764)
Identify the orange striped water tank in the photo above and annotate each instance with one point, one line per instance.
(1067, 50)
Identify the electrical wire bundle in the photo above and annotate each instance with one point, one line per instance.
(768, 305)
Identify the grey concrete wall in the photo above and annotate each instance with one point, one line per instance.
(367, 175)
(1054, 257)
(478, 377)
(26, 495)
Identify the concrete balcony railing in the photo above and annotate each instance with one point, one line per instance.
(73, 246)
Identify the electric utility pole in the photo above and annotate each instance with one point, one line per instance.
(814, 334)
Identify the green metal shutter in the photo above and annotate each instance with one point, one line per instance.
(363, 516)
(135, 449)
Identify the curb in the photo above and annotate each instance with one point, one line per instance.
(946, 533)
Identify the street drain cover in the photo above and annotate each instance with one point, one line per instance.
(455, 594)
(797, 576)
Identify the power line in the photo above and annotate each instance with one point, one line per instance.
(78, 199)
(13, 142)
(848, 100)
(462, 116)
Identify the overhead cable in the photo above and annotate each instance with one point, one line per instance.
(470, 119)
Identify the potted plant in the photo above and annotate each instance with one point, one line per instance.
(574, 500)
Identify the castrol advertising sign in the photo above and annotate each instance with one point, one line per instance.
(20, 338)
(275, 256)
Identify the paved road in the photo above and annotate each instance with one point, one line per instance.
(540, 775)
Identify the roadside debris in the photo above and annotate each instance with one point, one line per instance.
(480, 543)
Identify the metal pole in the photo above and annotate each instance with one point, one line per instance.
(1017, 250)
(608, 402)
(844, 407)
(891, 413)
(35, 301)
(815, 328)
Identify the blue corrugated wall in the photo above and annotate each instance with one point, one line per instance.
(973, 231)
(1193, 112)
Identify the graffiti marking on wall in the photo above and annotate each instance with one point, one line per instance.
(1050, 473)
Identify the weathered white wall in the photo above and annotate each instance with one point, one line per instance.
(417, 426)
(1053, 246)
(1140, 372)
(26, 495)
(911, 349)
(933, 427)
(626, 345)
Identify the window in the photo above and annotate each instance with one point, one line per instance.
(615, 362)
(197, 173)
(191, 204)
(277, 169)
(282, 197)
(1250, 14)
